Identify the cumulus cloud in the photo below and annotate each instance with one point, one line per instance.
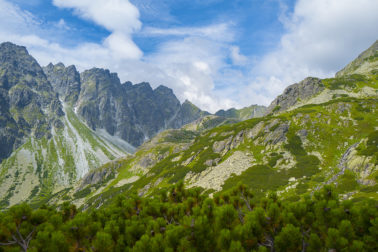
(114, 15)
(193, 62)
(217, 32)
(237, 58)
(322, 36)
(189, 63)
(204, 64)
(118, 16)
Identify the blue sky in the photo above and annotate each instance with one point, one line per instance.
(216, 53)
(256, 22)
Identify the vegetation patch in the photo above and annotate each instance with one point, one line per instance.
(371, 147)
(179, 219)
(347, 182)
(82, 193)
(180, 136)
(274, 157)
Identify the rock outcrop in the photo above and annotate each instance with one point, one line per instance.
(65, 81)
(29, 106)
(187, 113)
(296, 93)
(135, 113)
(366, 62)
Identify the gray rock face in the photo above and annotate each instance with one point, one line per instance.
(364, 63)
(29, 99)
(278, 135)
(187, 113)
(28, 104)
(65, 81)
(133, 112)
(220, 146)
(97, 176)
(232, 142)
(296, 92)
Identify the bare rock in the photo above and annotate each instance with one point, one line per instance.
(252, 133)
(295, 93)
(278, 135)
(209, 162)
(220, 146)
(302, 134)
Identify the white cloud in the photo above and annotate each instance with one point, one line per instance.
(118, 16)
(236, 57)
(193, 63)
(189, 63)
(216, 32)
(322, 36)
(114, 15)
(62, 24)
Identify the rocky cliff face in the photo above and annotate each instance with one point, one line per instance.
(29, 106)
(187, 113)
(65, 81)
(133, 113)
(357, 79)
(325, 133)
(44, 146)
(366, 62)
(295, 93)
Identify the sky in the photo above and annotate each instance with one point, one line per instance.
(217, 54)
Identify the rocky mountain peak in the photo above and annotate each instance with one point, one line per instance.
(20, 68)
(29, 106)
(366, 62)
(100, 77)
(295, 93)
(65, 81)
(188, 113)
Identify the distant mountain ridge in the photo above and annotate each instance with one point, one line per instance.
(364, 63)
(71, 136)
(57, 124)
(29, 105)
(132, 112)
(317, 132)
(246, 113)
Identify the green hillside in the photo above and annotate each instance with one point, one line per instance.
(41, 167)
(292, 152)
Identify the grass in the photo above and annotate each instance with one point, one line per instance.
(82, 193)
(371, 147)
(260, 178)
(180, 136)
(87, 134)
(347, 182)
(274, 157)
(329, 139)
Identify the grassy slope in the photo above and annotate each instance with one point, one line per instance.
(41, 166)
(293, 167)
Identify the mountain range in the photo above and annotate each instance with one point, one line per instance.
(86, 137)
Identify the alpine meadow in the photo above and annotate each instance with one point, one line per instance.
(90, 162)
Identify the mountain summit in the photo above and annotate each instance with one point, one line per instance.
(28, 104)
(318, 132)
(134, 113)
(364, 63)
(57, 124)
(72, 136)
